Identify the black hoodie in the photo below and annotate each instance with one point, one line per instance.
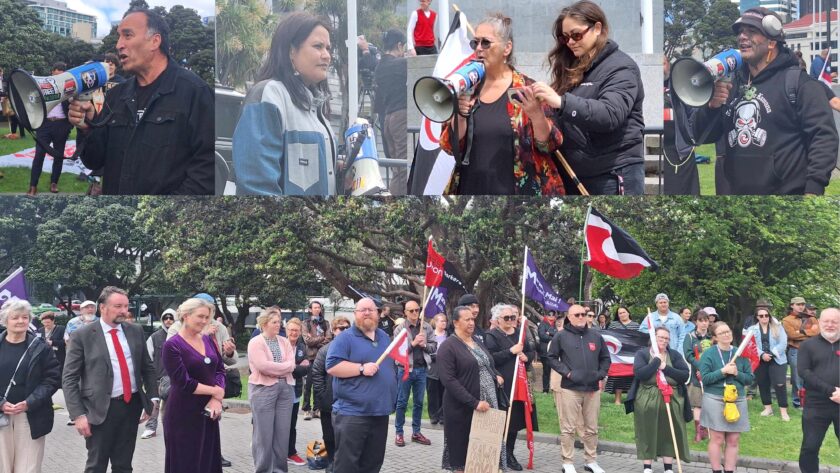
(601, 119)
(580, 356)
(773, 146)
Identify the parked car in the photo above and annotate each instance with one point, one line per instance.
(41, 308)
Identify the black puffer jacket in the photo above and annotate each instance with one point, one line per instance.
(581, 357)
(300, 372)
(43, 378)
(321, 381)
(601, 119)
(772, 145)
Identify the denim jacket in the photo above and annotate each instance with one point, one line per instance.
(778, 344)
(674, 323)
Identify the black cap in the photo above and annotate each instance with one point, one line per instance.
(755, 17)
(468, 299)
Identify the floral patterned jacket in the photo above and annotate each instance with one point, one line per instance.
(535, 172)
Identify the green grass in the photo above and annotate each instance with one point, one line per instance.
(16, 179)
(707, 174)
(616, 426)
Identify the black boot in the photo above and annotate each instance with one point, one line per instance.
(225, 463)
(512, 463)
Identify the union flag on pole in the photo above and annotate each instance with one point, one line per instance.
(441, 273)
(398, 351)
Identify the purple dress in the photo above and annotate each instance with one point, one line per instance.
(191, 438)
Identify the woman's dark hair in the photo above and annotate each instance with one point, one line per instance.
(456, 312)
(619, 308)
(290, 33)
(566, 69)
(392, 38)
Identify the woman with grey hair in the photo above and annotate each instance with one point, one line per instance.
(505, 136)
(271, 392)
(197, 374)
(29, 375)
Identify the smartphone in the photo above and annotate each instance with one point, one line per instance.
(513, 94)
(207, 412)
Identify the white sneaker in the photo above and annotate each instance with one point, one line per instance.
(147, 434)
(647, 470)
(568, 468)
(767, 413)
(594, 468)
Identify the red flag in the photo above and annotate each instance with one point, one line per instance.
(661, 382)
(398, 351)
(434, 267)
(751, 353)
(611, 251)
(523, 393)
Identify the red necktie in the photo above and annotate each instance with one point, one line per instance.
(126, 380)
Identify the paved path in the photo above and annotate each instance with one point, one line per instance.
(65, 450)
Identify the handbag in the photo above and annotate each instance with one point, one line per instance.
(4, 419)
(233, 384)
(502, 398)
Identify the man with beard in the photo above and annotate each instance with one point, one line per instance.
(109, 380)
(776, 122)
(819, 368)
(799, 327)
(155, 135)
(365, 393)
(88, 315)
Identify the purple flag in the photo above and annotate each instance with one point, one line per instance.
(437, 302)
(13, 287)
(538, 289)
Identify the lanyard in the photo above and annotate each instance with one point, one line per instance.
(720, 354)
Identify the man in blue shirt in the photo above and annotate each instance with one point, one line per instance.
(818, 64)
(365, 393)
(667, 318)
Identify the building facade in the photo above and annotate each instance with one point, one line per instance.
(60, 19)
(808, 35)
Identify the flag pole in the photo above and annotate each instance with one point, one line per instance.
(521, 333)
(467, 23)
(582, 249)
(665, 399)
(390, 347)
(425, 299)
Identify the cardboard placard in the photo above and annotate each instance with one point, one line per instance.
(485, 441)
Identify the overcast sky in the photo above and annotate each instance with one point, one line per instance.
(107, 11)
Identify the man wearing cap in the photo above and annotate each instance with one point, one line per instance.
(665, 317)
(87, 310)
(154, 344)
(799, 327)
(777, 126)
(469, 300)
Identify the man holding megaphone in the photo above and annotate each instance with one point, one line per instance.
(154, 134)
(779, 130)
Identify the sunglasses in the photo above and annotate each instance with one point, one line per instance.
(508, 318)
(411, 311)
(576, 36)
(484, 42)
(762, 316)
(578, 315)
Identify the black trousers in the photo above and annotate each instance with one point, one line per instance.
(770, 373)
(425, 50)
(307, 393)
(360, 443)
(546, 374)
(329, 434)
(55, 133)
(817, 419)
(114, 439)
(434, 392)
(293, 429)
(14, 124)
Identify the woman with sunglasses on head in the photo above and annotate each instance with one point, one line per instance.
(596, 91)
(771, 340)
(503, 343)
(719, 367)
(322, 388)
(506, 136)
(620, 384)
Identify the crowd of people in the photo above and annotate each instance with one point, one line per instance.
(335, 371)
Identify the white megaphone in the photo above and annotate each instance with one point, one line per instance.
(693, 82)
(436, 98)
(33, 97)
(363, 160)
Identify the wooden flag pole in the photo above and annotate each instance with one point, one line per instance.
(571, 173)
(467, 23)
(521, 333)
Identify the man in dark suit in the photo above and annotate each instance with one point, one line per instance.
(54, 336)
(104, 396)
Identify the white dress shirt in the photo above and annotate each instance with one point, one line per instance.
(117, 389)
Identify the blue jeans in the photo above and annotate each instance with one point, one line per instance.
(792, 356)
(416, 385)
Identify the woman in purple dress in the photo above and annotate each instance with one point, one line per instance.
(191, 420)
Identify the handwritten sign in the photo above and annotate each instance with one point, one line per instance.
(485, 442)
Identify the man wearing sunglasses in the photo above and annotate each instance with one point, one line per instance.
(420, 358)
(580, 356)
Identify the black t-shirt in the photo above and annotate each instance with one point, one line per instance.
(417, 352)
(144, 94)
(490, 171)
(10, 354)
